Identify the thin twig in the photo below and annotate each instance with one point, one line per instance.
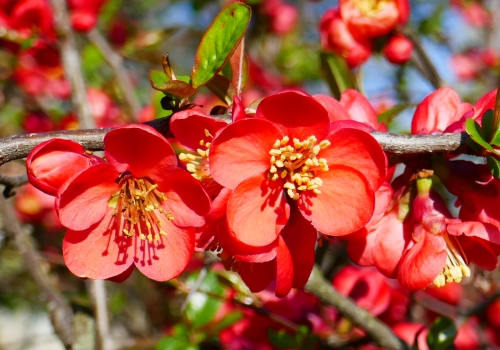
(427, 67)
(196, 286)
(11, 182)
(72, 63)
(115, 61)
(60, 311)
(16, 147)
(97, 293)
(377, 330)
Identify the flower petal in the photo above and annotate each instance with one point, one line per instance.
(422, 262)
(53, 162)
(284, 269)
(358, 150)
(241, 151)
(97, 253)
(83, 201)
(189, 127)
(359, 108)
(300, 238)
(141, 150)
(346, 202)
(296, 114)
(335, 110)
(257, 276)
(253, 210)
(168, 258)
(186, 199)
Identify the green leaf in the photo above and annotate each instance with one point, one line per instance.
(390, 114)
(281, 339)
(202, 308)
(494, 165)
(219, 42)
(486, 124)
(178, 341)
(476, 133)
(222, 88)
(337, 73)
(441, 334)
(228, 320)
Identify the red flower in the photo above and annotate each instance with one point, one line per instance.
(137, 209)
(335, 37)
(50, 164)
(398, 49)
(290, 152)
(442, 111)
(369, 19)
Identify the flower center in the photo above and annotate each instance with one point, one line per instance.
(370, 8)
(456, 263)
(137, 209)
(298, 164)
(197, 165)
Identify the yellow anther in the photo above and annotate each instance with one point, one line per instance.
(316, 149)
(324, 144)
(208, 144)
(283, 174)
(290, 193)
(273, 160)
(279, 163)
(317, 191)
(273, 169)
(309, 162)
(275, 152)
(207, 133)
(285, 140)
(163, 233)
(169, 215)
(302, 188)
(305, 168)
(275, 177)
(289, 185)
(202, 142)
(277, 144)
(201, 152)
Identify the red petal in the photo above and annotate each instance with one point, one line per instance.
(168, 258)
(359, 108)
(300, 238)
(479, 252)
(242, 251)
(97, 253)
(186, 199)
(284, 269)
(436, 111)
(393, 239)
(346, 202)
(83, 201)
(335, 110)
(238, 110)
(189, 127)
(423, 262)
(358, 150)
(258, 276)
(242, 151)
(296, 114)
(360, 245)
(53, 162)
(141, 150)
(254, 209)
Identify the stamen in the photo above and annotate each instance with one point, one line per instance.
(455, 268)
(298, 164)
(138, 203)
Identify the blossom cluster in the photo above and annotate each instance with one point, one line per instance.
(351, 30)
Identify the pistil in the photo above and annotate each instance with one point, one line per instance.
(370, 8)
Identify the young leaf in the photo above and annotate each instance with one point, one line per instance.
(160, 81)
(494, 165)
(239, 67)
(167, 68)
(337, 74)
(222, 88)
(476, 133)
(220, 41)
(441, 334)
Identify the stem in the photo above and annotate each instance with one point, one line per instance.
(115, 61)
(378, 331)
(72, 63)
(16, 147)
(97, 293)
